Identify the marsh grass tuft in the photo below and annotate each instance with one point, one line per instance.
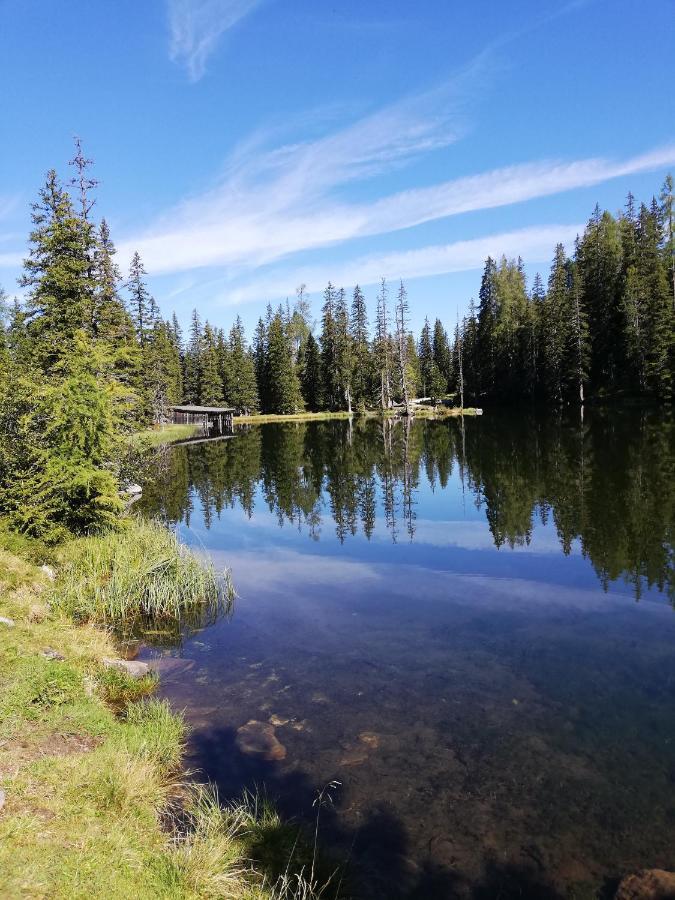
(136, 578)
(120, 689)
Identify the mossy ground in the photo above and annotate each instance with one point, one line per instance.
(90, 766)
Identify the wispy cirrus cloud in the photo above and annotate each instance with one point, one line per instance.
(535, 244)
(276, 203)
(196, 27)
(270, 202)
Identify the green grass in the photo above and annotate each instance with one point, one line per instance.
(141, 577)
(95, 800)
(160, 435)
(290, 417)
(420, 412)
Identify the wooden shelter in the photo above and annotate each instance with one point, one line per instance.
(218, 417)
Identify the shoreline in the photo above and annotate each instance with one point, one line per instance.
(92, 781)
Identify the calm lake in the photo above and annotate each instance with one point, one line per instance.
(469, 628)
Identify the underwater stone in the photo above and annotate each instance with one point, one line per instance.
(131, 667)
(258, 739)
(648, 884)
(277, 720)
(370, 739)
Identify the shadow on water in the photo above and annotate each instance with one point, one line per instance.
(373, 860)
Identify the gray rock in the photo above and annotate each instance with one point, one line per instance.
(50, 653)
(49, 572)
(2, 799)
(133, 490)
(132, 667)
(10, 623)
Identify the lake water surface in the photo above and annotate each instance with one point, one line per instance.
(469, 628)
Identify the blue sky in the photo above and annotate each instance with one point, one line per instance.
(248, 146)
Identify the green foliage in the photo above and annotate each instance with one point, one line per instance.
(136, 576)
(120, 689)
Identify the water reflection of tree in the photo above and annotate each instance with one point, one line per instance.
(606, 482)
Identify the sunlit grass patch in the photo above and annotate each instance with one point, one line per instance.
(162, 434)
(141, 574)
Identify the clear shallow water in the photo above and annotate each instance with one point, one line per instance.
(448, 623)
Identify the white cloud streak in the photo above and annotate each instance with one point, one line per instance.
(196, 27)
(274, 203)
(535, 244)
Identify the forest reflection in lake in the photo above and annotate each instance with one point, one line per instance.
(443, 619)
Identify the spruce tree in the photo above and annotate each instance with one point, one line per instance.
(442, 354)
(382, 349)
(311, 378)
(210, 384)
(358, 330)
(284, 387)
(139, 299)
(192, 363)
(426, 359)
(57, 274)
(488, 309)
(330, 367)
(344, 352)
(241, 390)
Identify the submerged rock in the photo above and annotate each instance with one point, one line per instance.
(131, 666)
(370, 739)
(278, 720)
(258, 739)
(648, 884)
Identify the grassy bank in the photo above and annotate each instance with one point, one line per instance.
(420, 412)
(93, 799)
(163, 434)
(290, 417)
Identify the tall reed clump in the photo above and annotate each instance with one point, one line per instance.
(138, 576)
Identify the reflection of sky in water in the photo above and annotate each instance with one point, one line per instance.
(523, 716)
(461, 544)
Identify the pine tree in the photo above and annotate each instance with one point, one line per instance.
(442, 355)
(284, 387)
(210, 384)
(260, 364)
(139, 299)
(358, 329)
(57, 274)
(426, 359)
(382, 349)
(241, 389)
(488, 310)
(162, 372)
(600, 264)
(192, 364)
(344, 351)
(331, 388)
(311, 377)
(405, 375)
(555, 320)
(667, 210)
(577, 353)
